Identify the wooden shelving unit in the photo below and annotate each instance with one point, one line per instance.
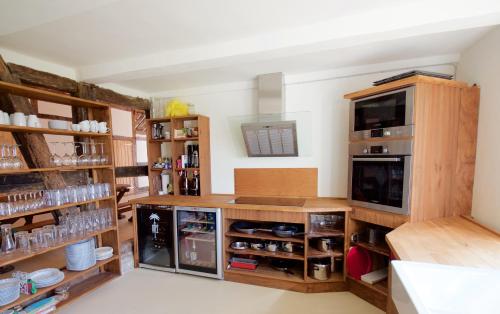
(304, 252)
(174, 147)
(54, 256)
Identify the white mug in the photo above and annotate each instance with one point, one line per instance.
(103, 128)
(75, 127)
(32, 121)
(6, 118)
(18, 118)
(1, 117)
(85, 125)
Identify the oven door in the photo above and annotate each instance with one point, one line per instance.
(390, 113)
(380, 182)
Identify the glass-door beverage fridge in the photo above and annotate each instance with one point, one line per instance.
(198, 241)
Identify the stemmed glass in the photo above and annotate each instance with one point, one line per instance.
(74, 156)
(4, 161)
(84, 159)
(55, 159)
(94, 158)
(15, 161)
(66, 158)
(104, 160)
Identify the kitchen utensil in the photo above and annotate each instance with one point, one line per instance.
(325, 244)
(320, 271)
(358, 262)
(287, 247)
(285, 231)
(257, 246)
(244, 227)
(282, 265)
(239, 245)
(244, 263)
(9, 290)
(271, 246)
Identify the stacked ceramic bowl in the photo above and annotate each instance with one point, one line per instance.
(46, 277)
(9, 290)
(80, 256)
(103, 253)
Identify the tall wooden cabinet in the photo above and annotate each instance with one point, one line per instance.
(173, 147)
(53, 256)
(444, 154)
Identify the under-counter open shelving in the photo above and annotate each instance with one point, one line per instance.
(53, 256)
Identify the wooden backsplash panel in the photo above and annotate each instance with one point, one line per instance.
(276, 181)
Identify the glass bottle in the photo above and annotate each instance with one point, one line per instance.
(195, 160)
(184, 183)
(194, 186)
(8, 244)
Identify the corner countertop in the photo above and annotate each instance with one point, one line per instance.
(316, 204)
(456, 241)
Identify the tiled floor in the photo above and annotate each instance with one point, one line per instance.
(153, 292)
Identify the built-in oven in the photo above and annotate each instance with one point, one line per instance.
(380, 175)
(383, 115)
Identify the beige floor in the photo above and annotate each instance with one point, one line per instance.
(153, 292)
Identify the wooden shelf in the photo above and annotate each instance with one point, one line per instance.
(68, 277)
(63, 168)
(188, 168)
(40, 94)
(266, 271)
(263, 236)
(17, 256)
(184, 139)
(160, 141)
(380, 287)
(377, 248)
(277, 254)
(313, 253)
(322, 234)
(26, 129)
(159, 169)
(86, 286)
(49, 209)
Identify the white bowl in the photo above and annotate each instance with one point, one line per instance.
(58, 124)
(10, 290)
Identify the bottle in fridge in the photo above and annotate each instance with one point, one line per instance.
(198, 241)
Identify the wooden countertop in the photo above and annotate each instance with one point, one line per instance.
(450, 241)
(320, 204)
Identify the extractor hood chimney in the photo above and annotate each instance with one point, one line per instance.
(271, 135)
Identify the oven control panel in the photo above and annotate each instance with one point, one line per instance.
(381, 148)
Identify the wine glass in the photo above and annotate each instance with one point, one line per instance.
(55, 159)
(74, 156)
(16, 161)
(94, 158)
(84, 159)
(66, 158)
(4, 161)
(104, 160)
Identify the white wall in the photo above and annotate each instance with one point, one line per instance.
(481, 64)
(324, 98)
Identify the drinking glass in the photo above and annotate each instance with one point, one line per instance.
(94, 157)
(4, 161)
(48, 237)
(62, 234)
(66, 158)
(8, 244)
(104, 159)
(55, 159)
(74, 156)
(33, 242)
(40, 238)
(15, 160)
(21, 238)
(107, 190)
(84, 159)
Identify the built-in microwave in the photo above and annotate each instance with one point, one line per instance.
(380, 175)
(383, 115)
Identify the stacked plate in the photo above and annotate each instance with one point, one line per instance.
(9, 290)
(46, 277)
(80, 256)
(103, 253)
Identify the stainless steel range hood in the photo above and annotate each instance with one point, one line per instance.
(271, 136)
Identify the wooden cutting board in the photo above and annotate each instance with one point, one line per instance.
(289, 182)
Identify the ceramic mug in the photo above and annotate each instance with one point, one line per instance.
(75, 127)
(32, 121)
(18, 118)
(1, 117)
(6, 118)
(94, 126)
(103, 127)
(85, 125)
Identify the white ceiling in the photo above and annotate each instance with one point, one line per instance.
(155, 45)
